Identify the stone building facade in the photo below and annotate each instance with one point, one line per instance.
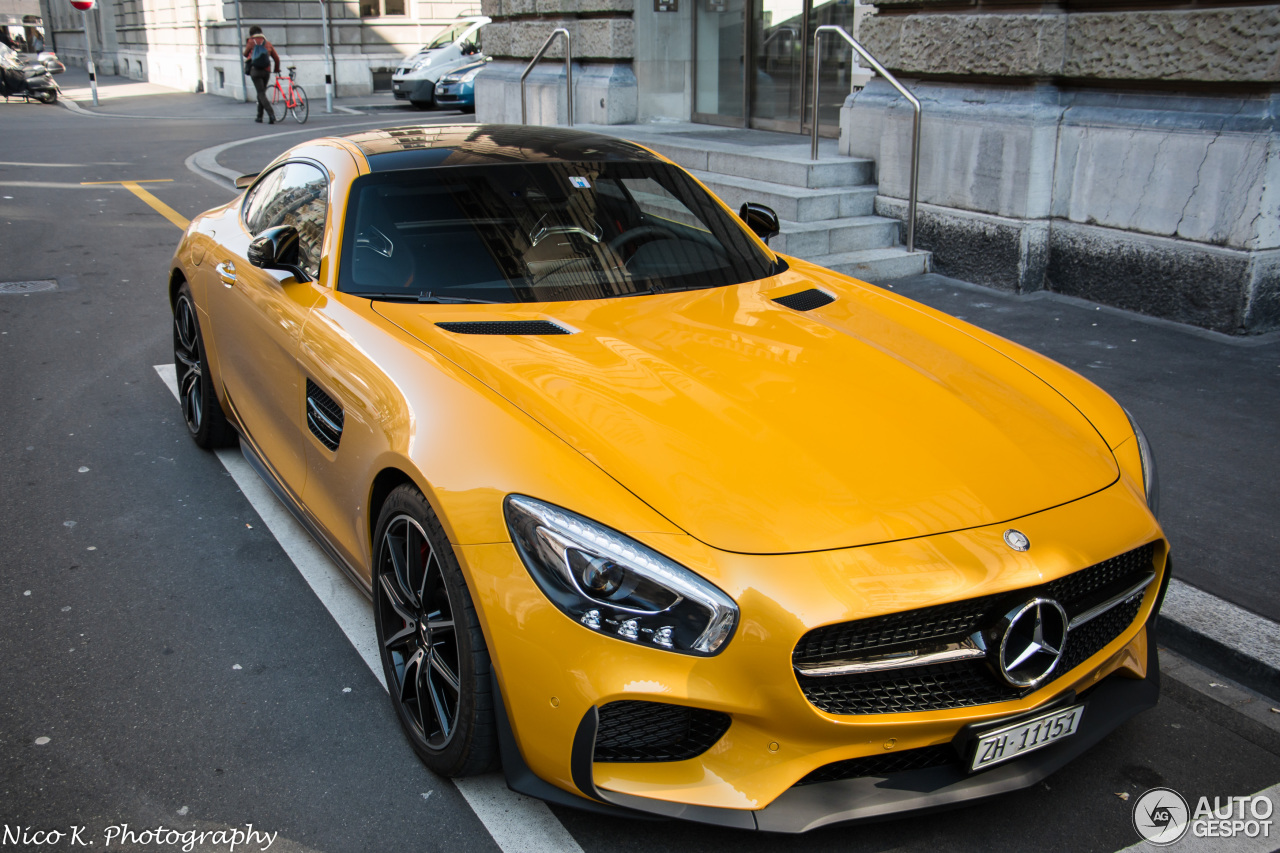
(194, 44)
(1130, 157)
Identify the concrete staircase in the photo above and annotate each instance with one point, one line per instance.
(826, 206)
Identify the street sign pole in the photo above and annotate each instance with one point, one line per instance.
(88, 46)
(244, 81)
(84, 6)
(328, 51)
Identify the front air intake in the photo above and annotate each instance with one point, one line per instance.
(632, 730)
(806, 300)
(506, 327)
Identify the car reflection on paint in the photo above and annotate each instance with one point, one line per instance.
(660, 520)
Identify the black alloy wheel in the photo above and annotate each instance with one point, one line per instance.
(200, 408)
(433, 652)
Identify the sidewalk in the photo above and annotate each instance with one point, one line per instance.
(120, 97)
(1209, 403)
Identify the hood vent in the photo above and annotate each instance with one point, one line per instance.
(506, 327)
(806, 300)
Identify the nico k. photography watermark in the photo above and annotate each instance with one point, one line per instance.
(122, 834)
(1162, 817)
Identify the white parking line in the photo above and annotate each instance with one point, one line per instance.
(518, 824)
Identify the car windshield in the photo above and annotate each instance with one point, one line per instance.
(540, 232)
(448, 37)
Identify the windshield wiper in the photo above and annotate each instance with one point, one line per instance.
(425, 296)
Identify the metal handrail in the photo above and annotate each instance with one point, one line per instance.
(893, 81)
(568, 72)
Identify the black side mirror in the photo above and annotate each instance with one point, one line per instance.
(277, 249)
(760, 219)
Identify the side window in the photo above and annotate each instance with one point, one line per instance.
(295, 194)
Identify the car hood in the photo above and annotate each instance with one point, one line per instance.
(760, 429)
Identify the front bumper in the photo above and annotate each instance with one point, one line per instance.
(460, 95)
(416, 91)
(555, 675)
(802, 808)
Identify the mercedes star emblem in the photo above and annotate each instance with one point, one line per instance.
(1031, 644)
(1016, 539)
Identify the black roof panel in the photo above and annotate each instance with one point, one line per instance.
(426, 145)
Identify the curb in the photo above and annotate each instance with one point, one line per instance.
(1239, 644)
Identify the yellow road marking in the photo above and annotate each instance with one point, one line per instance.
(160, 207)
(144, 181)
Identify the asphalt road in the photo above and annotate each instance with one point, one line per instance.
(184, 674)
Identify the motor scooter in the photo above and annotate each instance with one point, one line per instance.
(20, 80)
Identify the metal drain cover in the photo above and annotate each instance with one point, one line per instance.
(28, 286)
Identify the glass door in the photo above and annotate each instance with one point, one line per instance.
(837, 59)
(720, 40)
(753, 63)
(778, 63)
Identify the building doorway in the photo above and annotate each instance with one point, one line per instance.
(753, 63)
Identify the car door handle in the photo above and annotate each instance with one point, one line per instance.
(227, 272)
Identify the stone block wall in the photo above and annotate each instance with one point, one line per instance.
(602, 40)
(1232, 44)
(1131, 157)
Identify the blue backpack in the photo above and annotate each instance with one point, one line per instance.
(260, 58)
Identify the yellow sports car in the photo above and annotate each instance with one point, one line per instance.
(659, 520)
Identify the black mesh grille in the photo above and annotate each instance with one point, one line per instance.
(960, 685)
(805, 300)
(941, 755)
(1089, 639)
(506, 327)
(925, 688)
(1079, 591)
(883, 634)
(329, 428)
(655, 731)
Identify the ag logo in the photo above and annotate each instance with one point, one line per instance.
(1161, 816)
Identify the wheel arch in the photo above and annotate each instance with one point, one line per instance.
(384, 483)
(176, 279)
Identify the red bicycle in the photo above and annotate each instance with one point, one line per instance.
(286, 96)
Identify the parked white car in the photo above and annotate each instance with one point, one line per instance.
(458, 45)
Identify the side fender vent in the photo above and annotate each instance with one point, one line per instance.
(324, 416)
(506, 327)
(806, 300)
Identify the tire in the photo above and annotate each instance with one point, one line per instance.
(300, 109)
(201, 410)
(278, 107)
(421, 105)
(433, 652)
(47, 97)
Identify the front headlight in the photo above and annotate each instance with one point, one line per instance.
(471, 75)
(1150, 481)
(615, 585)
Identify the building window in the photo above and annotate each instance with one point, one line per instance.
(378, 8)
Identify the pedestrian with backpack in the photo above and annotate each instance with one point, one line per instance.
(258, 58)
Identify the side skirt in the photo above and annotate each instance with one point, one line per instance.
(295, 508)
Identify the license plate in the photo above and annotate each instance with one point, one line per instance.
(1011, 741)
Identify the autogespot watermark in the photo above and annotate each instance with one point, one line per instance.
(1162, 817)
(122, 834)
